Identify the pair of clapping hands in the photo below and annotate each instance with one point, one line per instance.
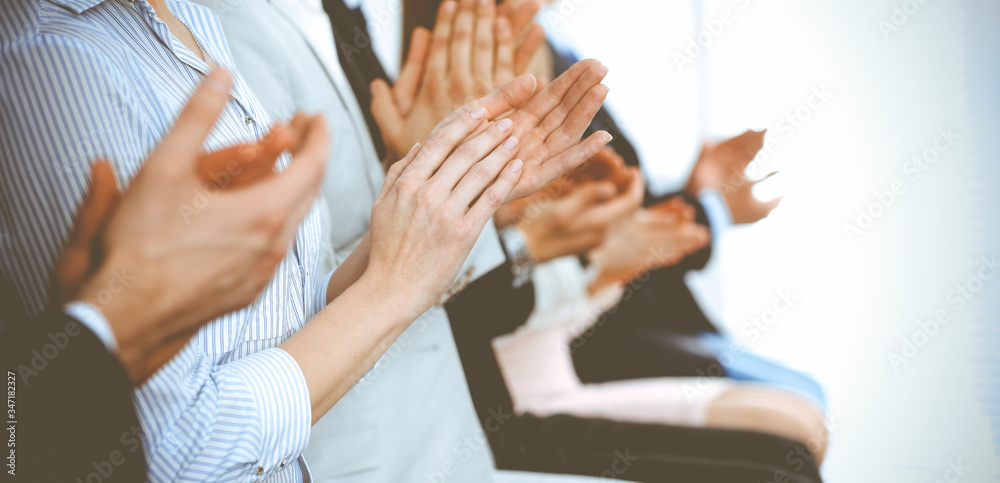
(188, 268)
(596, 211)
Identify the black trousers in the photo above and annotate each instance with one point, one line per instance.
(652, 332)
(647, 452)
(593, 447)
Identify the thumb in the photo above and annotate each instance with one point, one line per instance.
(81, 255)
(185, 140)
(385, 111)
(591, 193)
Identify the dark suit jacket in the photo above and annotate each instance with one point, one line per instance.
(69, 411)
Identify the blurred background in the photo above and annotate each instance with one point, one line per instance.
(860, 98)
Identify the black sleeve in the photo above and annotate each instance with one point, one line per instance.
(697, 260)
(69, 412)
(489, 307)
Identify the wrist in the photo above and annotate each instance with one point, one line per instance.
(515, 244)
(533, 242)
(381, 289)
(114, 293)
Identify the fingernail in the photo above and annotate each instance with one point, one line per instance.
(478, 113)
(516, 166)
(414, 148)
(511, 142)
(505, 124)
(449, 7)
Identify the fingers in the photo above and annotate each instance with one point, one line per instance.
(618, 207)
(766, 207)
(395, 170)
(437, 58)
(548, 98)
(591, 193)
(483, 50)
(294, 189)
(504, 68)
(387, 114)
(299, 185)
(509, 95)
(521, 16)
(461, 49)
(692, 237)
(245, 164)
(571, 126)
(494, 197)
(476, 176)
(406, 87)
(568, 160)
(459, 124)
(81, 255)
(588, 85)
(471, 152)
(184, 141)
(528, 47)
(101, 199)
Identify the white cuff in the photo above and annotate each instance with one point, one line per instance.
(93, 319)
(716, 210)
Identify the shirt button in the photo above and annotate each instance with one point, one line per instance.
(249, 120)
(282, 463)
(260, 470)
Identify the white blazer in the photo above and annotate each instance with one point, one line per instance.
(411, 417)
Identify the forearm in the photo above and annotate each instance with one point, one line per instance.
(350, 271)
(342, 343)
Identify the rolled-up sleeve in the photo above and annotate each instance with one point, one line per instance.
(242, 421)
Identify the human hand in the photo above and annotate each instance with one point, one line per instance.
(606, 165)
(471, 52)
(435, 202)
(652, 238)
(729, 158)
(227, 168)
(188, 267)
(722, 167)
(580, 220)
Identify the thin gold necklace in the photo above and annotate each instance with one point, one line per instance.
(204, 55)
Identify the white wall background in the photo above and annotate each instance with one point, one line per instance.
(857, 300)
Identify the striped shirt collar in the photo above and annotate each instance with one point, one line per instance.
(78, 6)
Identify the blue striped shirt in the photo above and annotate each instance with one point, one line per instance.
(83, 79)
